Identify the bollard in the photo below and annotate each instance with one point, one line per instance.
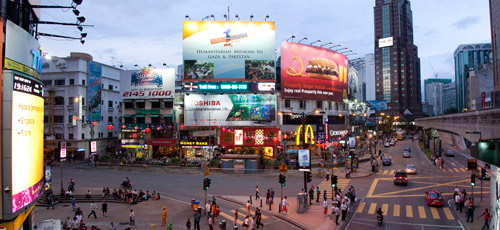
(250, 199)
(261, 203)
(269, 206)
(279, 208)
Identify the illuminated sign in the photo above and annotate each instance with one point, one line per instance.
(338, 132)
(93, 146)
(27, 141)
(63, 150)
(306, 136)
(193, 143)
(148, 83)
(224, 87)
(385, 42)
(238, 137)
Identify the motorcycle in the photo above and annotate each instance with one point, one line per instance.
(380, 217)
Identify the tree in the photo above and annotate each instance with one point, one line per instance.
(451, 110)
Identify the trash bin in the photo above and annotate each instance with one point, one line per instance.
(196, 203)
(192, 203)
(302, 203)
(319, 172)
(354, 168)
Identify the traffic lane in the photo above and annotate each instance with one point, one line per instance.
(458, 160)
(363, 224)
(416, 158)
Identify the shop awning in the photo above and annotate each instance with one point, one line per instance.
(139, 115)
(168, 100)
(139, 100)
(127, 115)
(154, 115)
(167, 115)
(127, 101)
(155, 100)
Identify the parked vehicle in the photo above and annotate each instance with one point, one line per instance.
(407, 148)
(387, 145)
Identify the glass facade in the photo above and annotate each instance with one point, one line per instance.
(386, 21)
(386, 73)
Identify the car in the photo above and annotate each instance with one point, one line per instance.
(392, 143)
(434, 198)
(406, 154)
(450, 153)
(407, 148)
(401, 178)
(387, 145)
(386, 161)
(410, 169)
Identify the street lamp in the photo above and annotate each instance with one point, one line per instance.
(341, 49)
(329, 43)
(317, 41)
(305, 38)
(331, 47)
(292, 37)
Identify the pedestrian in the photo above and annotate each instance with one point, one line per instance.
(67, 224)
(211, 222)
(188, 224)
(336, 212)
(257, 192)
(248, 207)
(284, 204)
(89, 195)
(73, 203)
(207, 209)
(170, 226)
(104, 207)
(217, 212)
(457, 190)
(272, 195)
(311, 194)
(235, 223)
(164, 217)
(50, 201)
(344, 210)
(246, 223)
(252, 223)
(268, 196)
(258, 218)
(317, 194)
(325, 208)
(93, 207)
(74, 223)
(486, 215)
(457, 201)
(112, 226)
(471, 211)
(131, 216)
(324, 195)
(197, 217)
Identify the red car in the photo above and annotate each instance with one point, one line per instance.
(434, 198)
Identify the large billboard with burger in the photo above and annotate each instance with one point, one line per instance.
(312, 73)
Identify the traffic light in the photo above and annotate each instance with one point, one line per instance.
(282, 180)
(483, 174)
(350, 155)
(309, 177)
(334, 181)
(472, 180)
(206, 183)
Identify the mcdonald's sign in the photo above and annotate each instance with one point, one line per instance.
(311, 137)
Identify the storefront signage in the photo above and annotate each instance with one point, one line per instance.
(148, 83)
(147, 111)
(321, 133)
(93, 146)
(131, 146)
(162, 142)
(229, 50)
(352, 142)
(304, 156)
(245, 87)
(94, 91)
(338, 132)
(63, 150)
(238, 137)
(193, 143)
(306, 138)
(22, 51)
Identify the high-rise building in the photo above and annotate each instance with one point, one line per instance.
(495, 39)
(433, 80)
(468, 57)
(449, 96)
(433, 97)
(366, 74)
(479, 87)
(397, 66)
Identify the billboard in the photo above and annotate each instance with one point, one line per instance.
(95, 87)
(312, 73)
(229, 50)
(27, 127)
(385, 42)
(377, 105)
(230, 109)
(148, 83)
(304, 156)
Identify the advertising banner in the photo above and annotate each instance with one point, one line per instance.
(385, 42)
(148, 83)
(377, 105)
(95, 87)
(352, 142)
(27, 141)
(304, 160)
(320, 133)
(229, 50)
(312, 73)
(230, 109)
(22, 51)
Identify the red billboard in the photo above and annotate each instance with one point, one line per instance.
(312, 73)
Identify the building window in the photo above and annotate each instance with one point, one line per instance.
(302, 104)
(110, 119)
(47, 82)
(110, 104)
(155, 104)
(83, 101)
(319, 104)
(71, 81)
(330, 105)
(83, 81)
(110, 134)
(70, 136)
(58, 100)
(140, 104)
(59, 82)
(71, 101)
(168, 103)
(155, 120)
(287, 103)
(110, 87)
(141, 120)
(58, 119)
(83, 136)
(120, 105)
(129, 120)
(129, 104)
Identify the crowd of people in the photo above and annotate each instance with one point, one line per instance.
(259, 70)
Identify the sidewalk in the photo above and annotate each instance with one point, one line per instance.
(479, 209)
(313, 218)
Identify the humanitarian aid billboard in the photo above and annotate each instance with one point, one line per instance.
(312, 73)
(229, 50)
(230, 109)
(27, 141)
(148, 83)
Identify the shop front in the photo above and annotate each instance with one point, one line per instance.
(251, 141)
(195, 149)
(164, 148)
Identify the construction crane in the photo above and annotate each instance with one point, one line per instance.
(432, 67)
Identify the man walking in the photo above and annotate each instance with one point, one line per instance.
(336, 212)
(258, 218)
(272, 195)
(104, 207)
(131, 217)
(257, 192)
(317, 194)
(197, 217)
(164, 217)
(93, 207)
(311, 195)
(486, 215)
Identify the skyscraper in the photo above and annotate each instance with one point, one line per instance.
(397, 66)
(433, 80)
(468, 57)
(449, 96)
(495, 40)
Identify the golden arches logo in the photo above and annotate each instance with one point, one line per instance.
(308, 128)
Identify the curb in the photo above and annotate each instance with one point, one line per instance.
(351, 215)
(459, 218)
(293, 222)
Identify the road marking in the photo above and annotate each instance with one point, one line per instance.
(422, 225)
(450, 170)
(424, 187)
(396, 209)
(230, 218)
(448, 214)
(361, 207)
(435, 213)
(385, 208)
(372, 187)
(252, 213)
(453, 164)
(456, 170)
(392, 171)
(385, 172)
(409, 211)
(421, 212)
(373, 206)
(462, 169)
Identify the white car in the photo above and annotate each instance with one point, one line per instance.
(406, 154)
(410, 169)
(392, 143)
(387, 145)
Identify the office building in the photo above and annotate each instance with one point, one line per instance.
(449, 96)
(480, 87)
(468, 57)
(433, 97)
(434, 80)
(82, 100)
(495, 39)
(397, 66)
(365, 67)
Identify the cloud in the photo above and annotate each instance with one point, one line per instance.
(466, 22)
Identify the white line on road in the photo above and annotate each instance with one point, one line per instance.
(453, 164)
(424, 225)
(180, 201)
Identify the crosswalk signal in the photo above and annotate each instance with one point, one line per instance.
(483, 174)
(282, 180)
(472, 180)
(350, 155)
(334, 181)
(206, 183)
(309, 177)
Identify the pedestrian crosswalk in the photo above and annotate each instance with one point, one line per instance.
(327, 185)
(449, 170)
(242, 213)
(409, 211)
